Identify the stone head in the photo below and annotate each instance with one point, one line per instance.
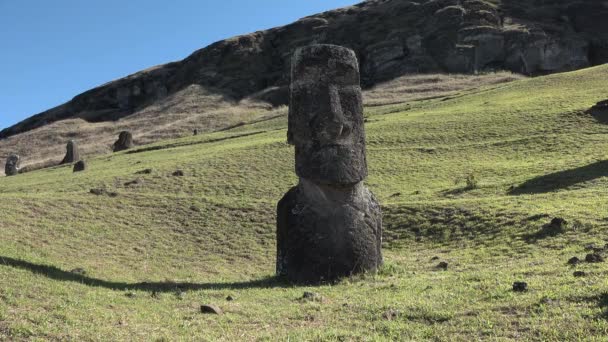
(12, 165)
(326, 115)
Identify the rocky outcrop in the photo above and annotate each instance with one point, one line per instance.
(390, 37)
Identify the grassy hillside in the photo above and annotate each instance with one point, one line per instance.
(207, 111)
(138, 265)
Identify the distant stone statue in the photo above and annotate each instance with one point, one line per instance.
(72, 154)
(124, 142)
(12, 165)
(195, 132)
(330, 225)
(80, 166)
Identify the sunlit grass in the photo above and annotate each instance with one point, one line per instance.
(161, 248)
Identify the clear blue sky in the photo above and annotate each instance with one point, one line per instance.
(52, 50)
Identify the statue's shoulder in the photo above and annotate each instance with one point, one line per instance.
(289, 199)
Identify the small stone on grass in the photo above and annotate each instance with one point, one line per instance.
(211, 309)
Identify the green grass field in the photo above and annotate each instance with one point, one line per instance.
(152, 255)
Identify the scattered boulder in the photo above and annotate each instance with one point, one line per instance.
(78, 271)
(579, 274)
(435, 258)
(443, 266)
(137, 181)
(557, 225)
(574, 261)
(72, 153)
(229, 298)
(178, 173)
(144, 172)
(103, 192)
(391, 314)
(311, 297)
(211, 309)
(81, 165)
(594, 258)
(520, 286)
(124, 142)
(12, 166)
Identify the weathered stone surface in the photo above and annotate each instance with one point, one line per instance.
(80, 166)
(390, 38)
(325, 116)
(12, 165)
(72, 154)
(124, 142)
(211, 309)
(323, 239)
(330, 225)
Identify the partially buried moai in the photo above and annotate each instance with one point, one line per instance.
(72, 153)
(12, 165)
(124, 142)
(330, 225)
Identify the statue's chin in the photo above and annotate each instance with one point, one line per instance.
(334, 165)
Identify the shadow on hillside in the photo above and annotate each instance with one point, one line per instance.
(562, 179)
(602, 302)
(55, 273)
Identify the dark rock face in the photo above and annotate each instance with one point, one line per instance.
(124, 142)
(80, 166)
(72, 154)
(330, 225)
(390, 38)
(12, 165)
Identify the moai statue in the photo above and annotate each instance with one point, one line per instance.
(72, 154)
(330, 225)
(124, 142)
(12, 165)
(195, 132)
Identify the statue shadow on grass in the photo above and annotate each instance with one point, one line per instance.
(55, 273)
(562, 179)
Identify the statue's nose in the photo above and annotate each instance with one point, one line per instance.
(336, 125)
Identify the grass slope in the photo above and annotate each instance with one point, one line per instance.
(162, 247)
